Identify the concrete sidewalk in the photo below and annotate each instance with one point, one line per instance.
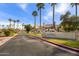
(3, 40)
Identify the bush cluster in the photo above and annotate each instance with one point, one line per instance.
(8, 32)
(28, 28)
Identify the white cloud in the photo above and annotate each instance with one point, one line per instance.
(48, 14)
(4, 19)
(23, 6)
(63, 8)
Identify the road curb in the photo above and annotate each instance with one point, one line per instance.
(66, 48)
(7, 39)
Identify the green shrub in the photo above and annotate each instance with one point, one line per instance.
(28, 28)
(7, 32)
(12, 30)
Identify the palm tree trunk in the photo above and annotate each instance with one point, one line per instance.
(40, 19)
(53, 17)
(17, 25)
(76, 20)
(10, 24)
(76, 15)
(35, 23)
(14, 25)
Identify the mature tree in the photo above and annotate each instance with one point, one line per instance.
(65, 17)
(3, 26)
(7, 26)
(40, 6)
(53, 6)
(34, 14)
(65, 20)
(75, 22)
(69, 23)
(28, 28)
(76, 7)
(14, 21)
(10, 20)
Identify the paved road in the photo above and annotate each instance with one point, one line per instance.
(21, 45)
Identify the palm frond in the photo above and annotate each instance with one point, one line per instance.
(34, 13)
(53, 4)
(72, 4)
(40, 6)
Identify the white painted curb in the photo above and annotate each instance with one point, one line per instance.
(6, 39)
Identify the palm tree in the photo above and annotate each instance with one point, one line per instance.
(17, 23)
(65, 19)
(10, 20)
(14, 21)
(3, 26)
(34, 14)
(76, 6)
(43, 24)
(40, 6)
(74, 22)
(53, 6)
(7, 26)
(65, 16)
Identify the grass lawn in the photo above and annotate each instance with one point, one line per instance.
(35, 34)
(74, 44)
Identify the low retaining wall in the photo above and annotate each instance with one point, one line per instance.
(65, 35)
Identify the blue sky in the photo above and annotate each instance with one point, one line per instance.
(23, 12)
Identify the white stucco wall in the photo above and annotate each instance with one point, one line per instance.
(68, 35)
